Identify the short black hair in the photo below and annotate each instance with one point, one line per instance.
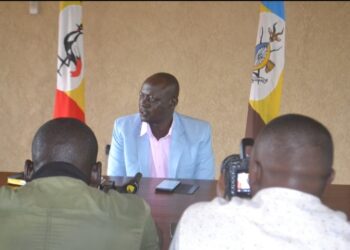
(170, 80)
(300, 130)
(67, 140)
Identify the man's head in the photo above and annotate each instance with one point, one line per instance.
(158, 98)
(292, 151)
(65, 140)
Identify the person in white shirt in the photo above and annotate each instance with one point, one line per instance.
(290, 167)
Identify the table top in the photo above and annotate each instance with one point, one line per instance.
(167, 208)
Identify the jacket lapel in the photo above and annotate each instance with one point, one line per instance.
(178, 141)
(143, 155)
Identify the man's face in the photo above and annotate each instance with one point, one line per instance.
(156, 102)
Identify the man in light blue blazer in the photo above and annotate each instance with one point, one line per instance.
(159, 142)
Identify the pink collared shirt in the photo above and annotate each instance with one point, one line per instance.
(159, 156)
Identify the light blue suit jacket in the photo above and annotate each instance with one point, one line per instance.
(190, 155)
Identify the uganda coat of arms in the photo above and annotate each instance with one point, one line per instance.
(263, 51)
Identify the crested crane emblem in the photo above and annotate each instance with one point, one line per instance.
(73, 55)
(263, 51)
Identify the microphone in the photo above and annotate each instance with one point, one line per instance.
(130, 187)
(133, 185)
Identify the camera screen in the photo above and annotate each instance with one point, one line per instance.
(242, 182)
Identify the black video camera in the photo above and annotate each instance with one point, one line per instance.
(236, 172)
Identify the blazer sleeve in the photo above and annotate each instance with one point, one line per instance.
(116, 161)
(205, 168)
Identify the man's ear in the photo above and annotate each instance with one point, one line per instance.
(330, 178)
(220, 186)
(28, 170)
(255, 174)
(174, 101)
(95, 177)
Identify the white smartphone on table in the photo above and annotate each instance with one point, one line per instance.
(167, 186)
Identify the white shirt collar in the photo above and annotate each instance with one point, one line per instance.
(145, 127)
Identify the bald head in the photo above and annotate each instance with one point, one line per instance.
(166, 81)
(292, 151)
(65, 140)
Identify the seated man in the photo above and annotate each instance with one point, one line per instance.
(290, 167)
(159, 142)
(57, 209)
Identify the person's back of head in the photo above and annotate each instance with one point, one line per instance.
(292, 151)
(290, 165)
(55, 208)
(67, 141)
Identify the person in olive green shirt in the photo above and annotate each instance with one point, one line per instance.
(57, 209)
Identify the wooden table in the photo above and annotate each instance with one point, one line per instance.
(167, 208)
